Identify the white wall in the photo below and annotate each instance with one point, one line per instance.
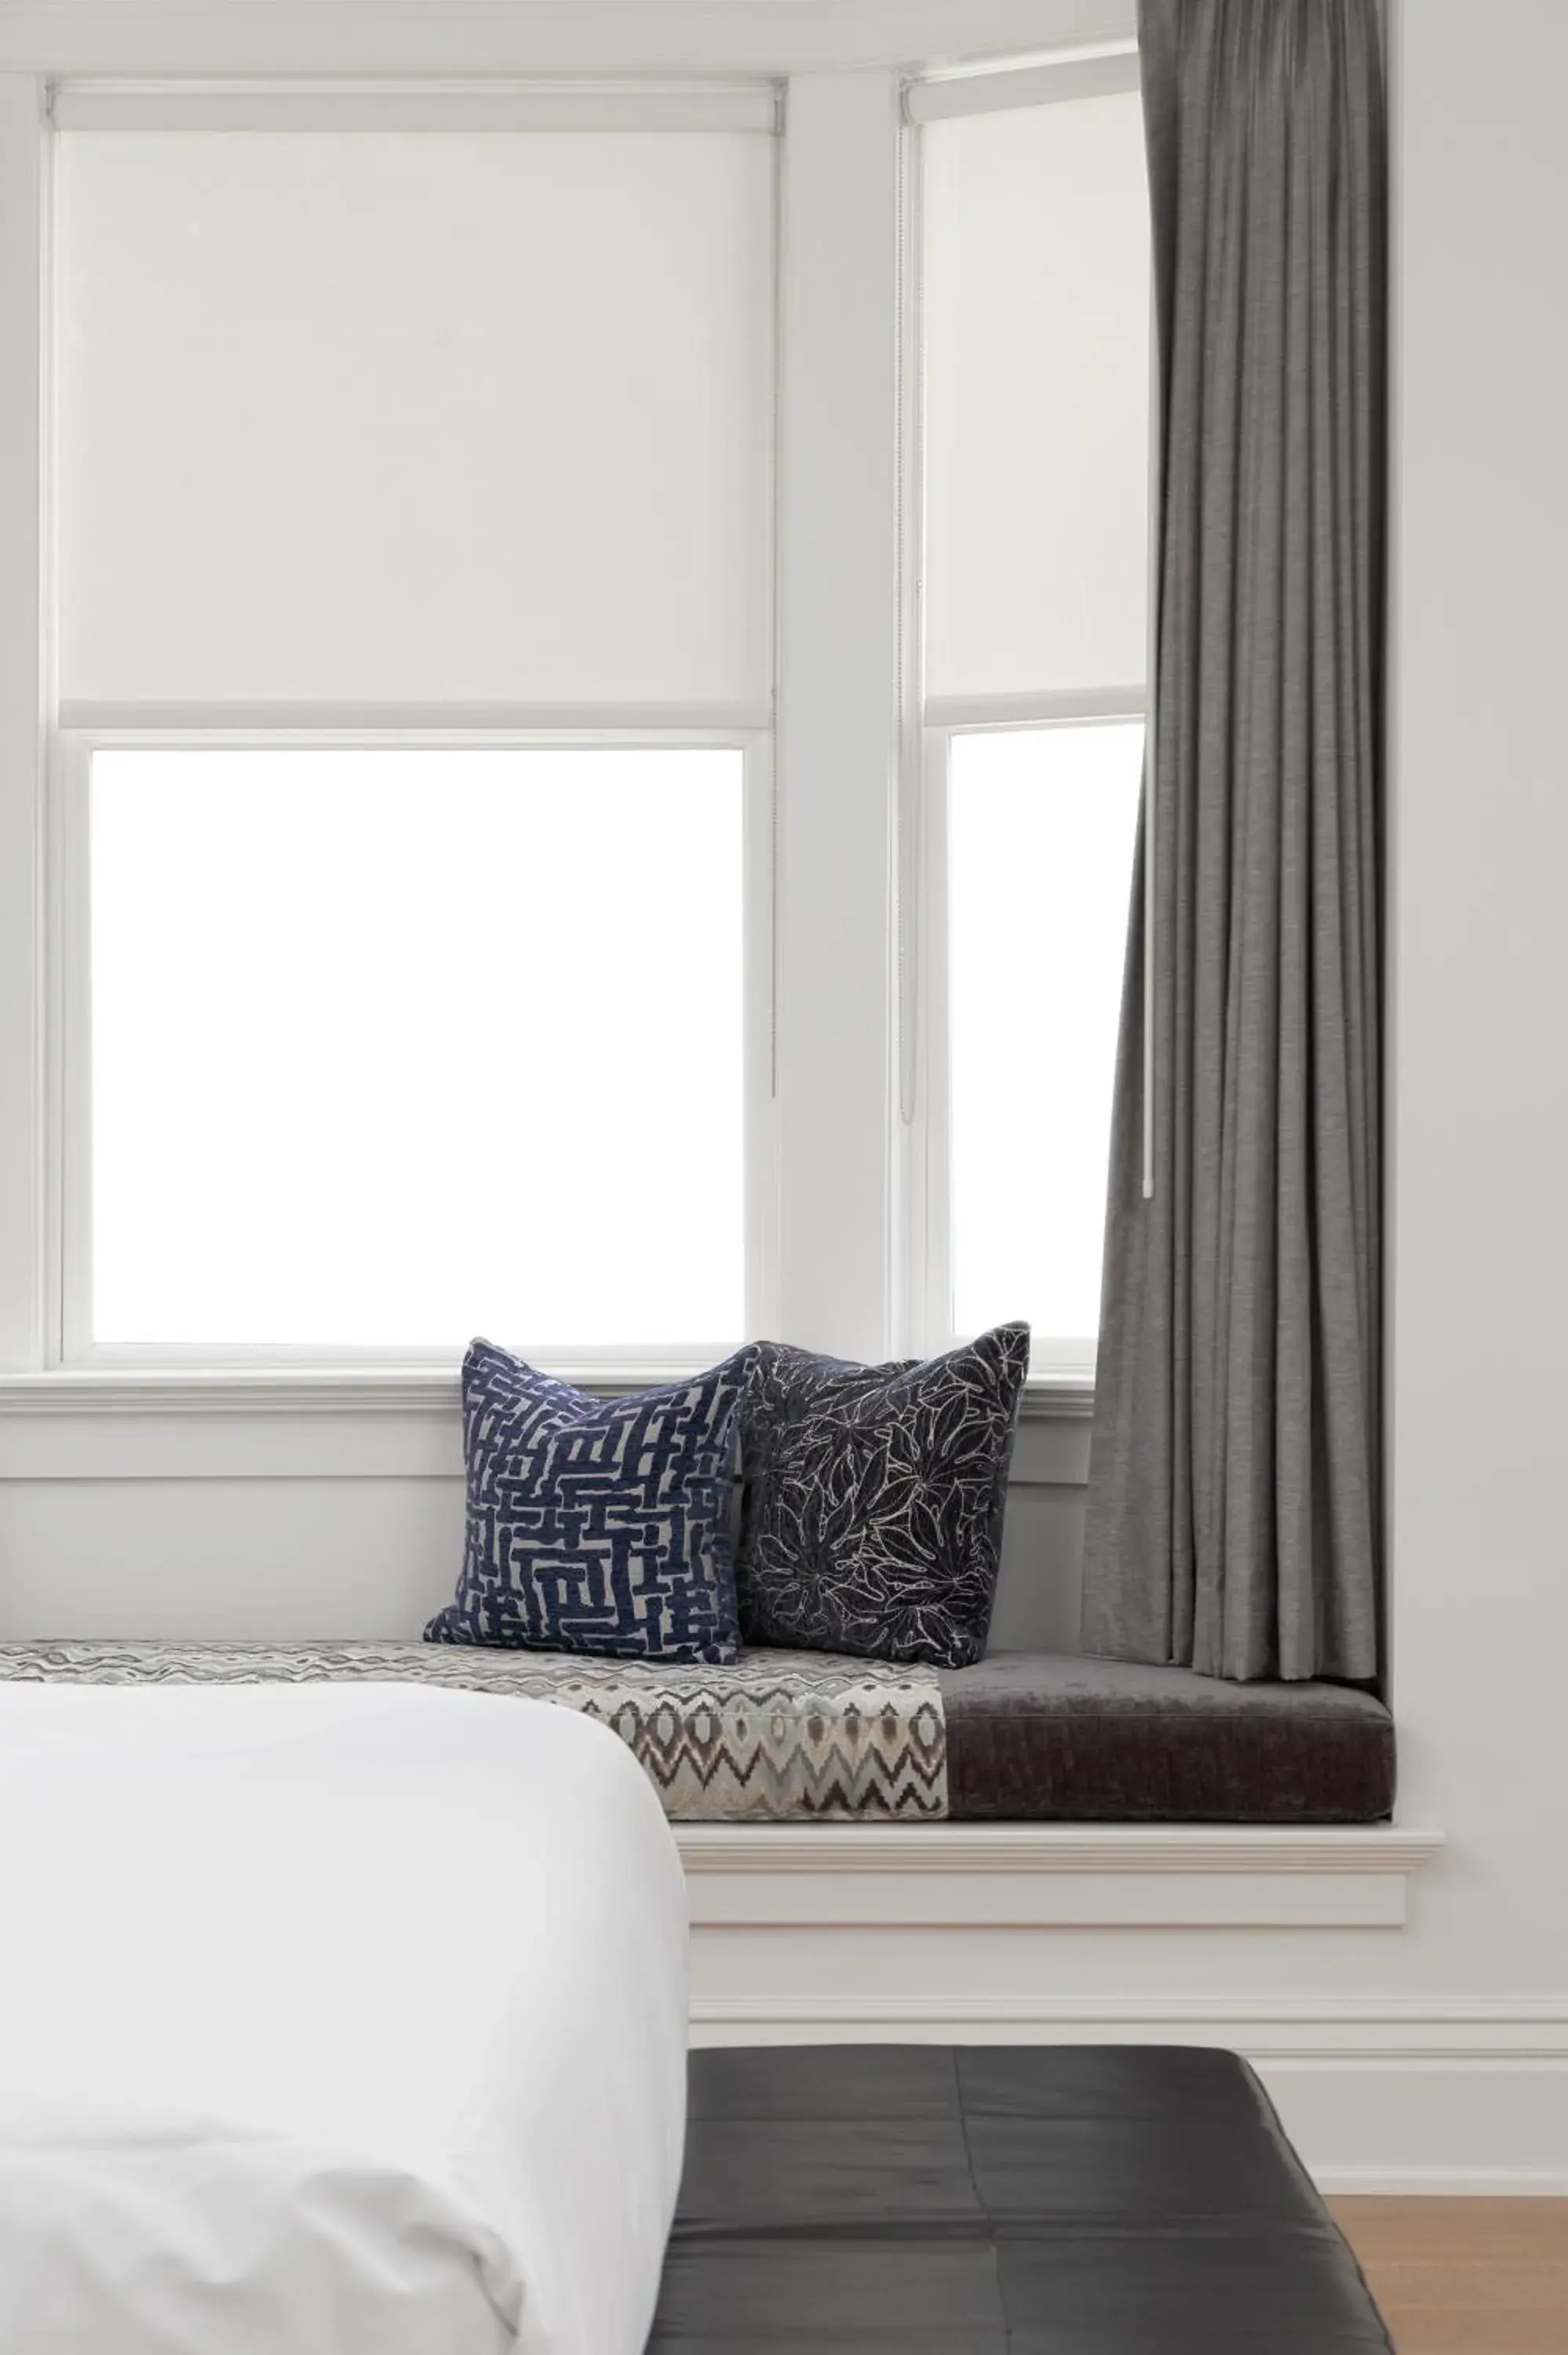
(1435, 2055)
(1479, 1265)
(332, 1519)
(606, 39)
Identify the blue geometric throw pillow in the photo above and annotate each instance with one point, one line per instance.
(874, 1499)
(596, 1525)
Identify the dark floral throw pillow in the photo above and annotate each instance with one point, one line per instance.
(874, 1499)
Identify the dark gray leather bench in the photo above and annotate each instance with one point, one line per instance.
(875, 2199)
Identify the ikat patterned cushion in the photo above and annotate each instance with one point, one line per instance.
(874, 1502)
(596, 1525)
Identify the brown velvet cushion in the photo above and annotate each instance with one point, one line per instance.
(1042, 1737)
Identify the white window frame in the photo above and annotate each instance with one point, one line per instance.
(845, 783)
(1059, 1363)
(1067, 1360)
(69, 1341)
(73, 732)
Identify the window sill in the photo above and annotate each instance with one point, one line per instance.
(344, 1422)
(244, 1390)
(1059, 1397)
(361, 1389)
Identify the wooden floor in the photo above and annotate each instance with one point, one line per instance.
(1465, 2276)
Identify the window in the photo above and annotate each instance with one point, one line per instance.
(389, 1047)
(1041, 826)
(415, 648)
(430, 473)
(1035, 316)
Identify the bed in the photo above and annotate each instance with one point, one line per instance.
(333, 2017)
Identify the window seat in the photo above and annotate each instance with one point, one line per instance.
(1024, 1737)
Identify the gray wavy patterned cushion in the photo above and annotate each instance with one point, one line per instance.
(775, 1737)
(875, 1496)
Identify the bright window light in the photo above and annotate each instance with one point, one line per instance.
(393, 1047)
(1042, 830)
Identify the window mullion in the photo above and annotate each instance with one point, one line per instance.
(838, 711)
(23, 1252)
(929, 1280)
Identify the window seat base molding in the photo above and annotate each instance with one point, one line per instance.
(1039, 1876)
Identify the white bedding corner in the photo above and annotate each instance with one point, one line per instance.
(332, 2019)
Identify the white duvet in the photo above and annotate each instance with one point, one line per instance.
(334, 2021)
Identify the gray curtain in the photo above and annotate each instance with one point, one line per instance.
(1235, 1488)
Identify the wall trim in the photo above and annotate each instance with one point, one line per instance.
(1456, 2096)
(215, 1391)
(1060, 1399)
(859, 1848)
(337, 1422)
(1319, 2028)
(363, 1387)
(970, 1877)
(546, 37)
(85, 105)
(1443, 2182)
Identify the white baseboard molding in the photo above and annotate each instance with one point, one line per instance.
(1313, 2029)
(1001, 1876)
(1462, 2099)
(1442, 2182)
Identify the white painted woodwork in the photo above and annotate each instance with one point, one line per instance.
(838, 690)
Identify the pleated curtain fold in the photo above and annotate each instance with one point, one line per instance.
(1235, 1498)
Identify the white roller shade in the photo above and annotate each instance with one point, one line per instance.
(1036, 236)
(415, 416)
